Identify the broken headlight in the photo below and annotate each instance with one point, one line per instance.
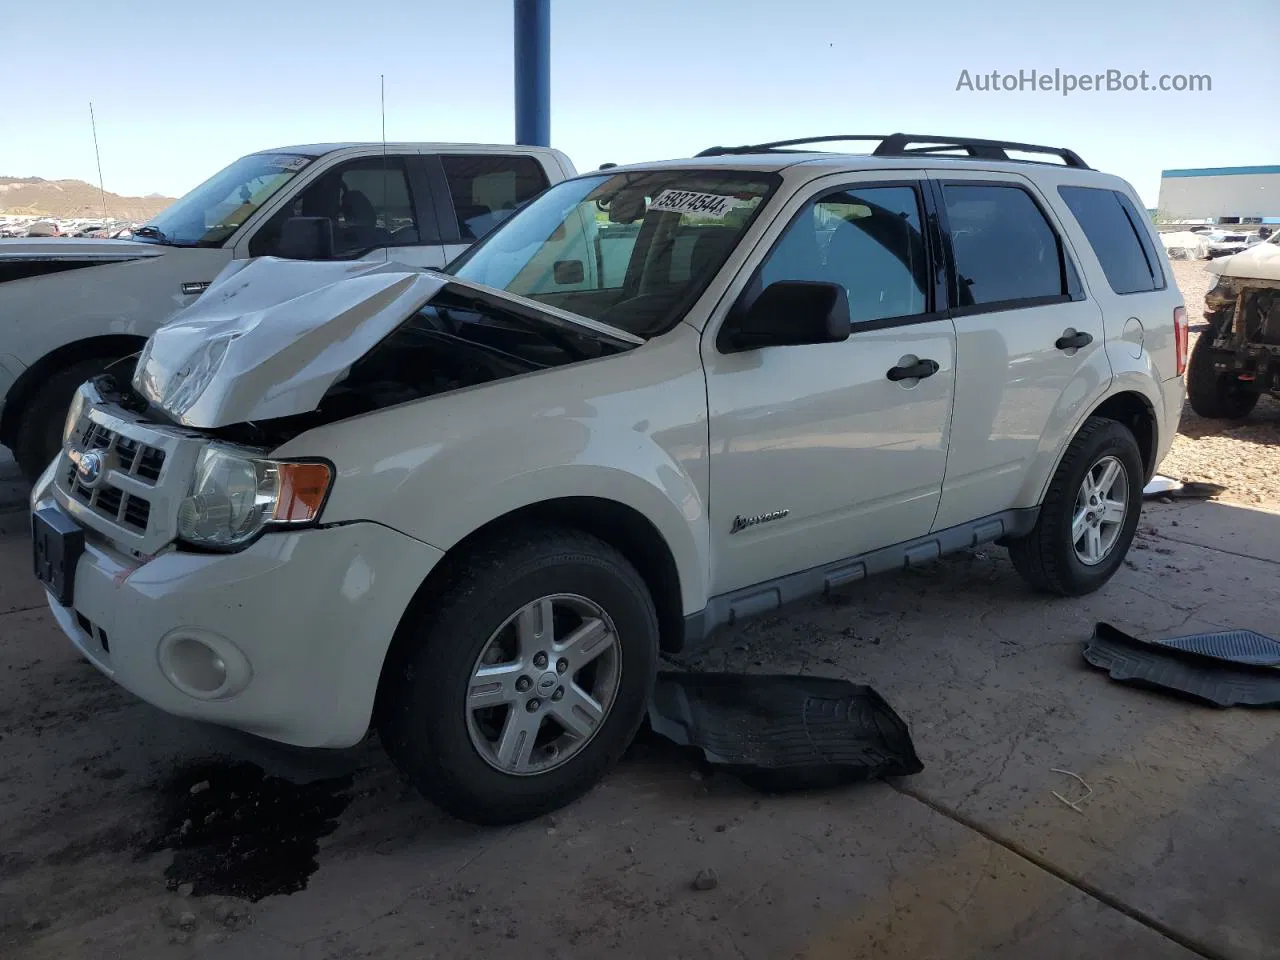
(1223, 293)
(233, 498)
(74, 413)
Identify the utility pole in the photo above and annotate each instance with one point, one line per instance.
(533, 72)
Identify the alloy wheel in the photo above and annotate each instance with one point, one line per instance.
(543, 684)
(1101, 506)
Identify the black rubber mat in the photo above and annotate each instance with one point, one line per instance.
(1236, 646)
(783, 733)
(1225, 669)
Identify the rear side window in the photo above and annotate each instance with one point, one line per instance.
(1119, 240)
(487, 188)
(1005, 250)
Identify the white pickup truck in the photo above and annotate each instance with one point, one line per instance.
(70, 307)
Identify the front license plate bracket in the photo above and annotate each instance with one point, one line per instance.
(57, 543)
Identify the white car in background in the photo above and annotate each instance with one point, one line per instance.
(71, 307)
(1226, 243)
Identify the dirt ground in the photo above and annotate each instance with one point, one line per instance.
(125, 833)
(1244, 456)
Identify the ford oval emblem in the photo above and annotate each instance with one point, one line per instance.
(90, 468)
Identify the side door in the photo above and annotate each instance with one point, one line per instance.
(380, 206)
(821, 445)
(1029, 340)
(477, 191)
(1136, 299)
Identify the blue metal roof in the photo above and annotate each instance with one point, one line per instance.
(1220, 171)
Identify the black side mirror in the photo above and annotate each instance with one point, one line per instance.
(789, 313)
(306, 238)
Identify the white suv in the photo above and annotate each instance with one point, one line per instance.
(472, 508)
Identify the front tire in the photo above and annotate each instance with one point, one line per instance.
(1089, 515)
(1214, 395)
(40, 422)
(521, 679)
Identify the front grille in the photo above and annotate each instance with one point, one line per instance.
(137, 512)
(134, 458)
(125, 508)
(136, 474)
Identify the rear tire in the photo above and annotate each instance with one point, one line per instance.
(452, 750)
(1213, 395)
(40, 422)
(1050, 557)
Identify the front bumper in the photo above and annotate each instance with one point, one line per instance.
(301, 621)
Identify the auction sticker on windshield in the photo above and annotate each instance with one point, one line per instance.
(693, 203)
(286, 162)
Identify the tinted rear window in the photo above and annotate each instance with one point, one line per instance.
(1119, 240)
(1005, 250)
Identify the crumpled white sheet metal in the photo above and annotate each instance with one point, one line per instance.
(269, 337)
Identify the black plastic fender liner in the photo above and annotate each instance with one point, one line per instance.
(782, 733)
(1228, 668)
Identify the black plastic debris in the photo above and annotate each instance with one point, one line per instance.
(1233, 667)
(782, 733)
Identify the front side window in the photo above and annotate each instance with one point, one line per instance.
(868, 240)
(633, 250)
(213, 211)
(486, 188)
(1129, 266)
(1005, 250)
(368, 201)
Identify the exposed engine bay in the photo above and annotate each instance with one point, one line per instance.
(1260, 321)
(1257, 303)
(454, 342)
(1244, 338)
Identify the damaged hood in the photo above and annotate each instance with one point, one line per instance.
(76, 248)
(1259, 262)
(269, 337)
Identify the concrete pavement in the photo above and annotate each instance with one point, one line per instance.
(1172, 856)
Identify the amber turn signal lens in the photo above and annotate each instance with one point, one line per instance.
(303, 487)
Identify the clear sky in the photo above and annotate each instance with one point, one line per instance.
(182, 88)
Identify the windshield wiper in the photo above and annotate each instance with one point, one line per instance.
(154, 233)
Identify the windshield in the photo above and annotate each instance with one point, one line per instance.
(633, 250)
(213, 211)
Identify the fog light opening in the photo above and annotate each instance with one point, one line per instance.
(195, 667)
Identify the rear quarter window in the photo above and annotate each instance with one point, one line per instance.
(1119, 238)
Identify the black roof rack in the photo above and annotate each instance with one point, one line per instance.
(912, 144)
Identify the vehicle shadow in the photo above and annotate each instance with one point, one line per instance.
(1262, 425)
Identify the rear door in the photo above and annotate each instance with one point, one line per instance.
(1136, 298)
(1029, 342)
(477, 191)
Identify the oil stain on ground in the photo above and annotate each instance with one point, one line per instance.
(236, 832)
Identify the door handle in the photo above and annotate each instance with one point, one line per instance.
(1073, 340)
(915, 371)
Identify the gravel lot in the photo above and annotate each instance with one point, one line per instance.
(1243, 456)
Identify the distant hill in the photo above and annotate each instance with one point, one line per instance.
(68, 199)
